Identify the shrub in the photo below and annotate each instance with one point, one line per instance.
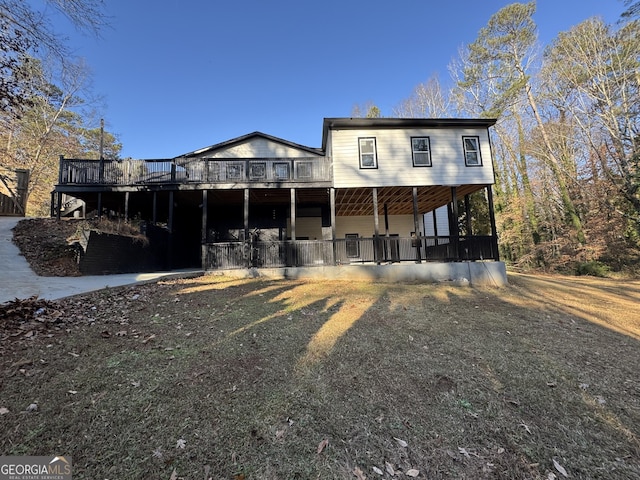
(593, 268)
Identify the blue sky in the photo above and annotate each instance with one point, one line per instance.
(180, 75)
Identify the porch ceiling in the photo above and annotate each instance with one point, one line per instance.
(351, 201)
(399, 200)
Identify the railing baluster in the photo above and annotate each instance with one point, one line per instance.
(130, 172)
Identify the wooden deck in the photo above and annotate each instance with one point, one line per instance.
(262, 171)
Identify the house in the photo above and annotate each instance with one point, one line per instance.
(379, 192)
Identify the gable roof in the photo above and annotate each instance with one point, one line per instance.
(245, 138)
(382, 123)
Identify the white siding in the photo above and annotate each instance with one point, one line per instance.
(363, 225)
(395, 165)
(258, 148)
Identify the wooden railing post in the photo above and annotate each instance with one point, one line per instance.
(492, 220)
(101, 170)
(376, 225)
(416, 225)
(60, 170)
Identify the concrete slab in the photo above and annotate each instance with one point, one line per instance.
(17, 280)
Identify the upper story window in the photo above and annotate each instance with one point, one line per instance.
(257, 170)
(235, 171)
(304, 170)
(421, 151)
(472, 156)
(281, 171)
(368, 155)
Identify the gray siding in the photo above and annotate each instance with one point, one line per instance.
(395, 164)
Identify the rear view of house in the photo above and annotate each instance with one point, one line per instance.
(378, 192)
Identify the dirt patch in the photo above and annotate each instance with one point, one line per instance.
(265, 379)
(47, 243)
(43, 243)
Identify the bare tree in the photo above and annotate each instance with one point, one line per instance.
(501, 54)
(26, 31)
(595, 71)
(366, 110)
(426, 101)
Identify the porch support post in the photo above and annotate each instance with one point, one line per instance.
(246, 214)
(332, 208)
(126, 207)
(205, 195)
(416, 225)
(293, 214)
(453, 223)
(59, 205)
(99, 205)
(492, 219)
(170, 220)
(170, 228)
(376, 224)
(467, 214)
(434, 218)
(154, 213)
(204, 248)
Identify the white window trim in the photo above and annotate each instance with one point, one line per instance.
(477, 151)
(281, 171)
(427, 152)
(361, 141)
(301, 167)
(352, 240)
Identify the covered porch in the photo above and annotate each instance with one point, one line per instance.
(308, 227)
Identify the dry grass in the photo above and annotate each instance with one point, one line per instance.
(253, 376)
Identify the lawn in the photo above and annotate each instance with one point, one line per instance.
(224, 378)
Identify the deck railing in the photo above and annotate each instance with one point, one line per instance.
(309, 253)
(194, 170)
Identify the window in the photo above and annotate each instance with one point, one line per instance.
(472, 156)
(352, 245)
(304, 170)
(257, 170)
(281, 171)
(421, 150)
(235, 171)
(368, 157)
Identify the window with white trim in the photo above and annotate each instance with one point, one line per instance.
(281, 171)
(257, 170)
(235, 171)
(352, 245)
(368, 155)
(472, 156)
(304, 170)
(421, 151)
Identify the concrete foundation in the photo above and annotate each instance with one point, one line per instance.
(461, 273)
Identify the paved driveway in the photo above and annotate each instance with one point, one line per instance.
(17, 280)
